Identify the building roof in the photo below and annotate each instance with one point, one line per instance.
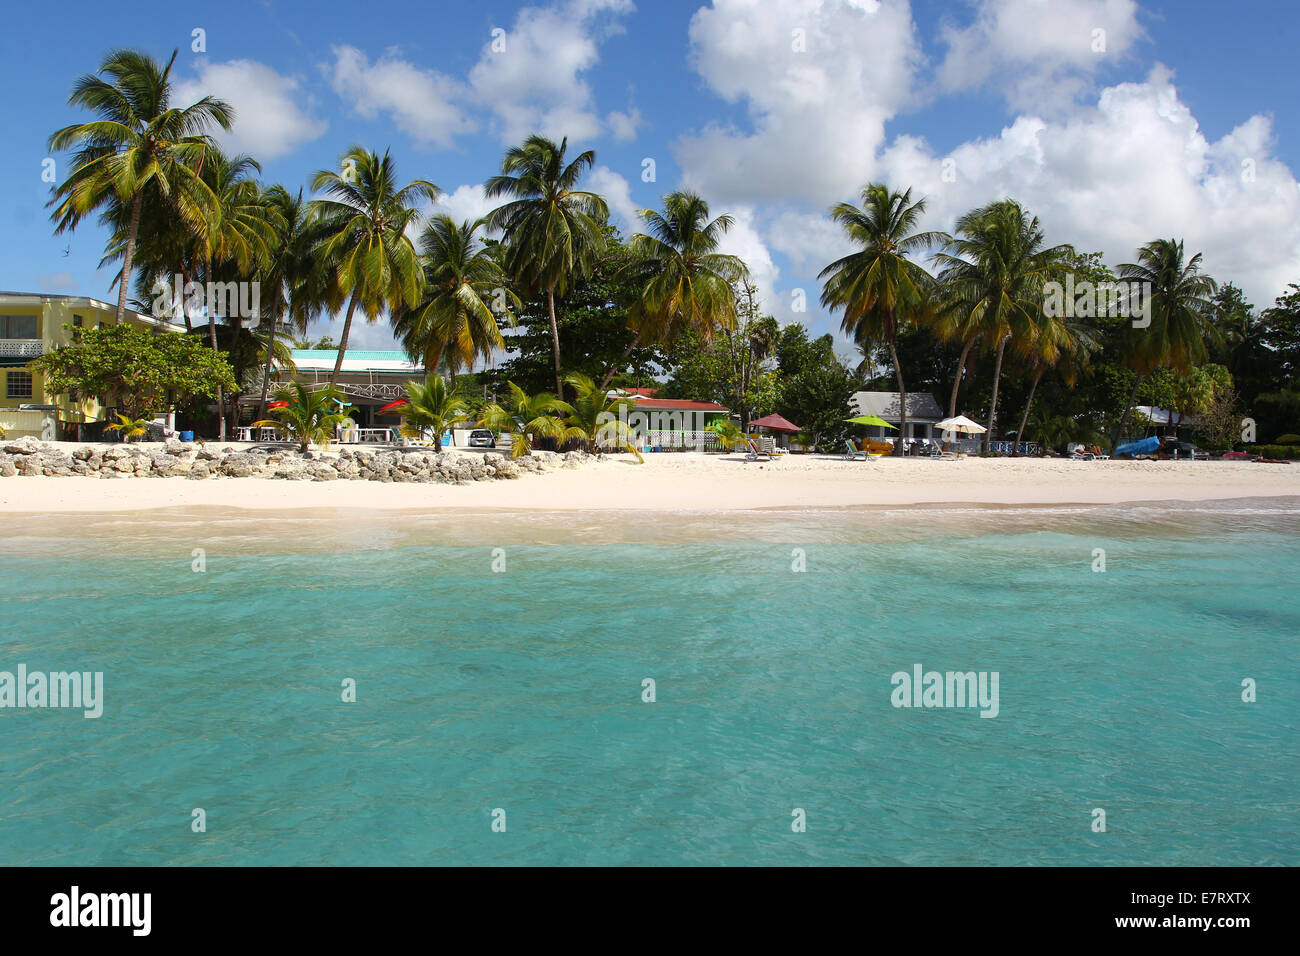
(676, 405)
(921, 406)
(393, 361)
(1163, 416)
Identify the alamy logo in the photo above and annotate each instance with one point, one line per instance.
(78, 690)
(74, 908)
(231, 300)
(923, 688)
(1125, 300)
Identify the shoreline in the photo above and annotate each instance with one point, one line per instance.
(683, 484)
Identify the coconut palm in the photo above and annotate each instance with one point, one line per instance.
(689, 284)
(454, 321)
(552, 229)
(138, 143)
(1060, 344)
(526, 417)
(1181, 313)
(730, 435)
(128, 428)
(880, 289)
(307, 417)
(994, 271)
(364, 218)
(598, 419)
(430, 407)
(292, 287)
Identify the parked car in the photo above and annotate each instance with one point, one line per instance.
(1185, 449)
(482, 438)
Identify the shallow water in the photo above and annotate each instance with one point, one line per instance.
(521, 689)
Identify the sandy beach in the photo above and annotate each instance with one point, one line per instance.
(671, 482)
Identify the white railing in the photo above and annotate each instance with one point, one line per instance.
(22, 348)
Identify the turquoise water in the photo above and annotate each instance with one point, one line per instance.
(521, 690)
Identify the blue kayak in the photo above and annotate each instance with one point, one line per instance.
(1143, 446)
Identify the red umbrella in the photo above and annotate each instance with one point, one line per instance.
(400, 401)
(776, 423)
(278, 405)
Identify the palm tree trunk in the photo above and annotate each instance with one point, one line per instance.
(993, 403)
(185, 308)
(234, 346)
(956, 382)
(1015, 452)
(636, 339)
(128, 256)
(212, 341)
(902, 400)
(343, 340)
(266, 372)
(555, 342)
(1123, 418)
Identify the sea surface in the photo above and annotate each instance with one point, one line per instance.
(502, 709)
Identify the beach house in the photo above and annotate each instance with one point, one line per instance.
(670, 422)
(369, 380)
(32, 324)
(922, 412)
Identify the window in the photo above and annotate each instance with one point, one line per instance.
(18, 327)
(18, 385)
(76, 321)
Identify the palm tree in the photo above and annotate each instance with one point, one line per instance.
(291, 287)
(1180, 297)
(994, 272)
(1060, 344)
(364, 220)
(138, 142)
(879, 288)
(526, 417)
(307, 417)
(553, 229)
(454, 319)
(598, 419)
(689, 283)
(431, 407)
(129, 428)
(730, 435)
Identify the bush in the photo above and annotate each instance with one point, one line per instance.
(1287, 440)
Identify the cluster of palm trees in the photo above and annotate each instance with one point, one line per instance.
(990, 286)
(176, 205)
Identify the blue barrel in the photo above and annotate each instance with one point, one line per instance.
(187, 436)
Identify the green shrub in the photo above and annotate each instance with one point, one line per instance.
(1289, 452)
(1287, 440)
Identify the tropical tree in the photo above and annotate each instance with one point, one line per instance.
(1181, 302)
(1061, 344)
(730, 435)
(430, 407)
(597, 419)
(526, 418)
(879, 288)
(552, 228)
(994, 271)
(455, 319)
(138, 143)
(364, 218)
(292, 287)
(305, 416)
(689, 284)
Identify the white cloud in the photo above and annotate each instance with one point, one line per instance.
(465, 202)
(421, 102)
(1041, 53)
(535, 83)
(623, 125)
(618, 195)
(272, 117)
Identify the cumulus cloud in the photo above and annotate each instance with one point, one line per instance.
(531, 78)
(617, 194)
(272, 114)
(623, 125)
(1040, 53)
(422, 103)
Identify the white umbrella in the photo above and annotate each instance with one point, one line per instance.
(960, 424)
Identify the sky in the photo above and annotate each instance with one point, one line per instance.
(1114, 121)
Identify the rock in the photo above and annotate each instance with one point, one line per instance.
(22, 446)
(176, 448)
(320, 471)
(239, 466)
(30, 465)
(200, 469)
(504, 468)
(180, 469)
(206, 454)
(116, 453)
(84, 453)
(7, 467)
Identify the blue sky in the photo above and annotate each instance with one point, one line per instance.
(1179, 119)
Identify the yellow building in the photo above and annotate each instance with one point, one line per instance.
(32, 324)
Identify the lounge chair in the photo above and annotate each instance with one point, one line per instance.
(851, 453)
(756, 453)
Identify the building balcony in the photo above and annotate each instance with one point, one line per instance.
(21, 348)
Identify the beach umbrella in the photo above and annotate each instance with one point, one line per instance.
(278, 405)
(871, 420)
(776, 423)
(961, 424)
(392, 405)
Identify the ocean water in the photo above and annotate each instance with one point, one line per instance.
(499, 668)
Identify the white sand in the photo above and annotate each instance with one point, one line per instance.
(690, 482)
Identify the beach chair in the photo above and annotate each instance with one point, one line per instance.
(852, 454)
(756, 453)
